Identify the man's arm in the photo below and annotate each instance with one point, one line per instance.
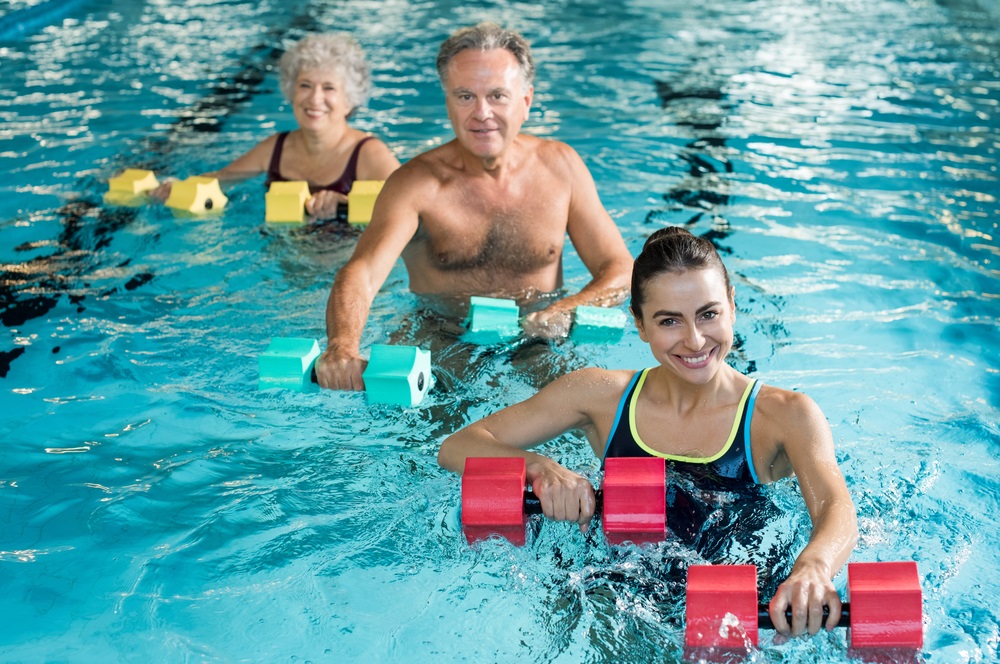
(808, 445)
(394, 221)
(600, 246)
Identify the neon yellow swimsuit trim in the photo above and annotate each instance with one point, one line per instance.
(676, 457)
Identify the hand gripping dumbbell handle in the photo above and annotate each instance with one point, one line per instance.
(532, 505)
(764, 617)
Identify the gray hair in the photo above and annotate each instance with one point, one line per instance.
(338, 52)
(485, 37)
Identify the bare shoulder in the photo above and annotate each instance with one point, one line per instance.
(375, 160)
(372, 146)
(420, 177)
(264, 148)
(788, 427)
(597, 382)
(554, 154)
(428, 169)
(775, 404)
(591, 391)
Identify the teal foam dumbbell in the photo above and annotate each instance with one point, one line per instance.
(398, 375)
(598, 325)
(491, 320)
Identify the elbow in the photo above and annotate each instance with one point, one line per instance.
(445, 458)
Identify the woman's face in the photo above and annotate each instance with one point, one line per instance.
(318, 100)
(687, 320)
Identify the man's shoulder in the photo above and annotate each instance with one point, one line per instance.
(548, 146)
(430, 165)
(557, 156)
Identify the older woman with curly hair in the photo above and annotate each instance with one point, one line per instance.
(326, 79)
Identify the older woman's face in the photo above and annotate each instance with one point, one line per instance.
(318, 100)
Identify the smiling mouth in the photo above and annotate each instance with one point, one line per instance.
(695, 361)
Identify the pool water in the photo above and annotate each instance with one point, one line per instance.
(155, 506)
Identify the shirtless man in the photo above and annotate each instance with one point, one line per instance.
(486, 213)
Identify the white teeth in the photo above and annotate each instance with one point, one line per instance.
(695, 360)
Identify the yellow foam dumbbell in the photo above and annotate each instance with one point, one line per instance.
(361, 201)
(129, 187)
(285, 202)
(197, 194)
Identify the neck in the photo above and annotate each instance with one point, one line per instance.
(323, 142)
(496, 166)
(671, 392)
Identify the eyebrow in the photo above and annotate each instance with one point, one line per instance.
(456, 91)
(677, 314)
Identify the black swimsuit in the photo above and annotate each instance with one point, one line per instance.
(341, 185)
(716, 505)
(731, 468)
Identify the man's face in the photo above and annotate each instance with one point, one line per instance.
(487, 100)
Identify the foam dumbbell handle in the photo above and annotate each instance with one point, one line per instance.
(764, 616)
(533, 504)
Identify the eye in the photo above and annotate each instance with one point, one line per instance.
(710, 315)
(667, 322)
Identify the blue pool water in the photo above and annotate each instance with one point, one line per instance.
(154, 506)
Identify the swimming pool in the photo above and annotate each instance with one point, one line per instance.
(154, 506)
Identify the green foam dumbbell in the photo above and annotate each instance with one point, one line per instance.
(395, 374)
(491, 320)
(598, 325)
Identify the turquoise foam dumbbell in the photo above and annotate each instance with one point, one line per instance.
(491, 320)
(597, 325)
(398, 375)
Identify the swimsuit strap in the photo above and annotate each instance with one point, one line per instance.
(273, 170)
(346, 181)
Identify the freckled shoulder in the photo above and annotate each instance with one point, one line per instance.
(782, 417)
(596, 387)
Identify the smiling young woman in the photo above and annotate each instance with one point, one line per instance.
(713, 425)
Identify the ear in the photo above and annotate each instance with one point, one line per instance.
(732, 301)
(529, 96)
(638, 325)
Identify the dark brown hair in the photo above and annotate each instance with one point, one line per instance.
(672, 249)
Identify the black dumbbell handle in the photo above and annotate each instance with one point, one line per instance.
(532, 505)
(764, 618)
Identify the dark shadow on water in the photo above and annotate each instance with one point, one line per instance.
(31, 289)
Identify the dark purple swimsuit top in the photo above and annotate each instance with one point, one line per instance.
(341, 185)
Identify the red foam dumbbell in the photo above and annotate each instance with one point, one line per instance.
(884, 614)
(635, 500)
(495, 502)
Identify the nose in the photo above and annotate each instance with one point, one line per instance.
(483, 110)
(694, 339)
